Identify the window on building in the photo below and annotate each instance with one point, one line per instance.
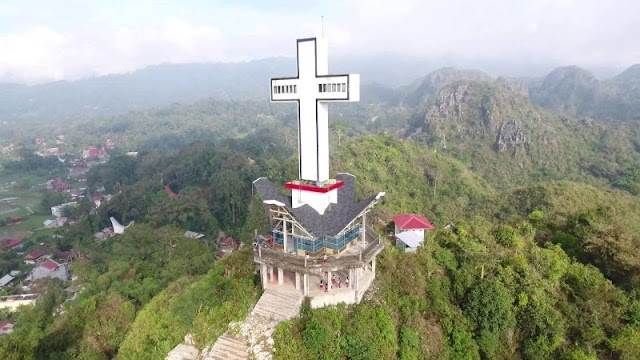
(319, 87)
(333, 87)
(295, 89)
(289, 89)
(275, 88)
(344, 87)
(324, 87)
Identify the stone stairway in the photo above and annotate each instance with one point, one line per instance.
(228, 347)
(278, 304)
(253, 335)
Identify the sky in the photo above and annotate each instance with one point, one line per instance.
(46, 40)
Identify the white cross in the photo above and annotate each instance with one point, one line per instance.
(312, 89)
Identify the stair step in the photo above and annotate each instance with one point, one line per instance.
(229, 347)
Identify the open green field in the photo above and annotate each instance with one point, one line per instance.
(20, 195)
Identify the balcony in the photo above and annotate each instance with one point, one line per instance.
(353, 257)
(315, 245)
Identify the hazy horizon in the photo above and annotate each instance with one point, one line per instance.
(48, 41)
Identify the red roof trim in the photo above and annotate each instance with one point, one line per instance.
(314, 188)
(411, 222)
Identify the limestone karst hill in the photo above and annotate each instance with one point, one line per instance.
(500, 134)
(576, 91)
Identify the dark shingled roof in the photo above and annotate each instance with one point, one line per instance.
(334, 219)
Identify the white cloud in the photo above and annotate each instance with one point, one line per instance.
(41, 54)
(102, 38)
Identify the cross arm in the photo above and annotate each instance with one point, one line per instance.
(284, 89)
(338, 87)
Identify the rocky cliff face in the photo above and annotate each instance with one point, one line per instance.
(423, 90)
(509, 136)
(497, 131)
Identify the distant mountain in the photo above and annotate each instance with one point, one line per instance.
(575, 91)
(154, 86)
(502, 136)
(421, 90)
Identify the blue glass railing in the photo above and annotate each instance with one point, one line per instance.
(316, 244)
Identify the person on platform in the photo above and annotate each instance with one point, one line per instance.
(339, 282)
(346, 282)
(321, 285)
(333, 279)
(324, 259)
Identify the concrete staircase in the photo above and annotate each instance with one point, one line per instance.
(278, 304)
(228, 347)
(253, 335)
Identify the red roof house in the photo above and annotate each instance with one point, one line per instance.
(15, 219)
(35, 255)
(409, 231)
(10, 243)
(6, 326)
(411, 222)
(62, 255)
(50, 264)
(229, 243)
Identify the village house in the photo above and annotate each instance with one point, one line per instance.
(34, 256)
(6, 326)
(193, 235)
(51, 269)
(52, 224)
(57, 185)
(94, 153)
(15, 219)
(5, 280)
(227, 246)
(58, 211)
(10, 244)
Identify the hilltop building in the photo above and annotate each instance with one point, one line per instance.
(319, 233)
(409, 231)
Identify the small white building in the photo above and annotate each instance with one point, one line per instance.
(409, 231)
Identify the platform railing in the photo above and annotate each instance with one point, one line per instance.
(373, 244)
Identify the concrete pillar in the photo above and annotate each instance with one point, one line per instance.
(284, 235)
(329, 283)
(357, 278)
(263, 275)
(280, 276)
(373, 266)
(305, 281)
(364, 230)
(297, 281)
(270, 273)
(351, 279)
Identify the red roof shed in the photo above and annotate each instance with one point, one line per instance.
(411, 222)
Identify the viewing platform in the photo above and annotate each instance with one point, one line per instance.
(348, 273)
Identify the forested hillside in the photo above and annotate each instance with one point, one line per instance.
(534, 255)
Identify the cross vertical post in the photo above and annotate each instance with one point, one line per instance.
(312, 89)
